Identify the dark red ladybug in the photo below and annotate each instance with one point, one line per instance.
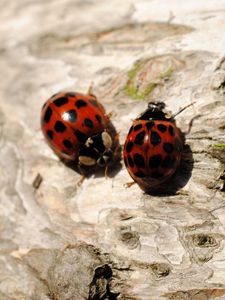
(78, 129)
(153, 147)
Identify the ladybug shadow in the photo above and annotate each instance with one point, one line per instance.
(179, 179)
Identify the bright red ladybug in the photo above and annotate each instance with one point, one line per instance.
(153, 147)
(78, 129)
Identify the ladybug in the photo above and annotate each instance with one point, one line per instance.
(78, 130)
(153, 147)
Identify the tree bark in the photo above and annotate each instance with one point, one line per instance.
(100, 240)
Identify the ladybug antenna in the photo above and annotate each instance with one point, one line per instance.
(182, 109)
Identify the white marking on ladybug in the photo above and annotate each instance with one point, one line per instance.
(106, 158)
(107, 140)
(87, 160)
(88, 142)
(167, 113)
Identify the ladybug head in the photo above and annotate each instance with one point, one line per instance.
(156, 106)
(96, 151)
(156, 111)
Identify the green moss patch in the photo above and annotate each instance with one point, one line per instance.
(133, 90)
(219, 146)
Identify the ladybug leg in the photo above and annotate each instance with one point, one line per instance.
(106, 171)
(81, 180)
(111, 114)
(129, 184)
(82, 176)
(65, 160)
(90, 90)
(91, 93)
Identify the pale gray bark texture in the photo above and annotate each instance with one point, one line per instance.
(101, 240)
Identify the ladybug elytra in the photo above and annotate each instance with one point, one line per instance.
(153, 147)
(78, 129)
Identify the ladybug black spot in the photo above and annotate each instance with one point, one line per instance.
(137, 127)
(98, 118)
(150, 124)
(166, 162)
(88, 123)
(168, 147)
(61, 101)
(80, 136)
(139, 174)
(161, 127)
(130, 161)
(50, 134)
(59, 127)
(155, 138)
(155, 161)
(129, 146)
(171, 130)
(80, 103)
(139, 139)
(139, 160)
(70, 115)
(67, 144)
(48, 115)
